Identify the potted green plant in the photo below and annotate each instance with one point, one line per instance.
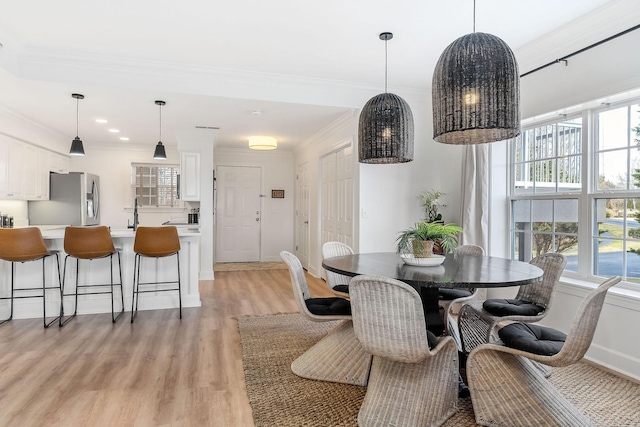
(419, 240)
(429, 200)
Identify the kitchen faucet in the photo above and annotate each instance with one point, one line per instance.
(135, 216)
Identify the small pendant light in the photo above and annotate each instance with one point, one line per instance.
(77, 149)
(476, 91)
(160, 153)
(385, 129)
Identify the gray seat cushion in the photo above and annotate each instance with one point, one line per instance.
(511, 307)
(532, 338)
(448, 294)
(329, 306)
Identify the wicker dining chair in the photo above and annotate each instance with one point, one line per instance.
(477, 325)
(507, 389)
(450, 298)
(339, 356)
(414, 376)
(338, 283)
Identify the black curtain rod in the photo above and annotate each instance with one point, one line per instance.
(564, 58)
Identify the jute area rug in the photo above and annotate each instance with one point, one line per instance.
(240, 266)
(280, 398)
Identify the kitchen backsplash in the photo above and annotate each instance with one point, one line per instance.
(18, 209)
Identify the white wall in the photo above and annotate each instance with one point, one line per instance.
(276, 233)
(389, 193)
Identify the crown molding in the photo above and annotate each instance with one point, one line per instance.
(33, 62)
(347, 119)
(13, 124)
(247, 152)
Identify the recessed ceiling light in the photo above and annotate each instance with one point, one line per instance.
(114, 130)
(256, 112)
(101, 121)
(124, 138)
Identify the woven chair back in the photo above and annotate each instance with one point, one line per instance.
(88, 242)
(298, 280)
(540, 293)
(584, 325)
(388, 318)
(469, 250)
(22, 244)
(333, 249)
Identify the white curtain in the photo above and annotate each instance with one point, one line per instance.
(475, 196)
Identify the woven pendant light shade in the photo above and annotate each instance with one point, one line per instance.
(476, 92)
(385, 130)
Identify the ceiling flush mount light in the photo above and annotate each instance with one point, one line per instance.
(77, 149)
(160, 153)
(385, 128)
(476, 91)
(263, 143)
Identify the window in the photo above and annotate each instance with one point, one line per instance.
(576, 190)
(154, 185)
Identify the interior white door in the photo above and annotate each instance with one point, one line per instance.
(329, 195)
(337, 197)
(344, 197)
(302, 213)
(238, 214)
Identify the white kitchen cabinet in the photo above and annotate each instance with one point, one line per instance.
(36, 173)
(190, 176)
(11, 170)
(58, 163)
(31, 172)
(24, 170)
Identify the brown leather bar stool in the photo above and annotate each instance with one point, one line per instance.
(91, 243)
(154, 242)
(22, 245)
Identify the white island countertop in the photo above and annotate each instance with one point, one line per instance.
(57, 232)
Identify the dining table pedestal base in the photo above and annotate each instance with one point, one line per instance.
(432, 315)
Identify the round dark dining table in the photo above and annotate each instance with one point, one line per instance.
(457, 271)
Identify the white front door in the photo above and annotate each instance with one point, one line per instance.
(238, 214)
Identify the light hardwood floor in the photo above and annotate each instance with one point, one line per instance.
(160, 371)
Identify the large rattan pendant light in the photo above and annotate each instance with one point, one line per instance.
(160, 153)
(77, 149)
(385, 130)
(476, 91)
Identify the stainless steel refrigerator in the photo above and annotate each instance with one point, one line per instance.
(74, 199)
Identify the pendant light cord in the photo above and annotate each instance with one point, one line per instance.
(77, 117)
(160, 105)
(385, 66)
(474, 16)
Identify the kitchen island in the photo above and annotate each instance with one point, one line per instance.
(97, 271)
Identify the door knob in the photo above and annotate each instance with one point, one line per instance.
(257, 219)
